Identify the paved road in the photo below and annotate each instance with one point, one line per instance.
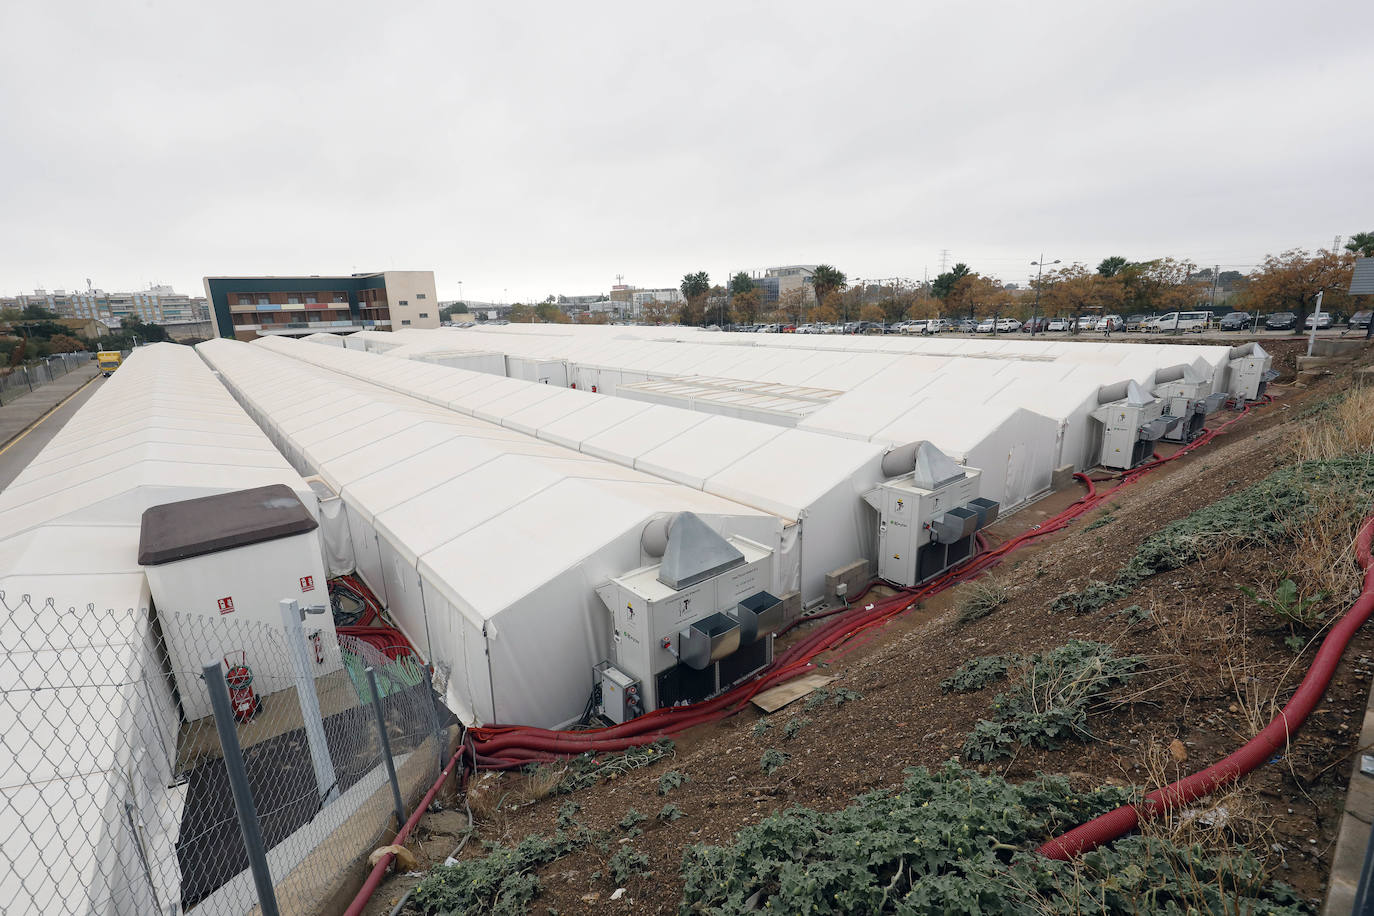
(20, 451)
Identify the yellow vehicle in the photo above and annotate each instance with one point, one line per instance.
(108, 361)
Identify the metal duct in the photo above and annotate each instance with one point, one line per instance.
(1172, 373)
(1113, 392)
(901, 459)
(654, 539)
(1250, 349)
(695, 553)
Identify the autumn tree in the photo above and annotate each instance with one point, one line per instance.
(746, 306)
(1160, 285)
(655, 312)
(825, 280)
(792, 304)
(977, 295)
(547, 311)
(944, 284)
(1361, 243)
(521, 313)
(872, 312)
(693, 311)
(825, 313)
(65, 343)
(1290, 282)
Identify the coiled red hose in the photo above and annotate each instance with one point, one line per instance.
(1254, 752)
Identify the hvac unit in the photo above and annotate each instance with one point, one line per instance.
(1191, 399)
(690, 626)
(1252, 370)
(218, 568)
(1130, 428)
(927, 517)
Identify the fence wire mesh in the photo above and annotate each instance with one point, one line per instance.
(20, 380)
(114, 790)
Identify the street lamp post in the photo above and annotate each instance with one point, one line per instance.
(1035, 309)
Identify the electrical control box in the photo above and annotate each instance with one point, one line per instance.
(927, 518)
(695, 623)
(620, 699)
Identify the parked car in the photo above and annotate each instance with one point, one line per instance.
(1086, 322)
(1323, 321)
(1359, 320)
(1110, 323)
(1179, 321)
(1058, 324)
(936, 325)
(1133, 322)
(1281, 321)
(965, 326)
(1236, 321)
(1039, 324)
(1006, 325)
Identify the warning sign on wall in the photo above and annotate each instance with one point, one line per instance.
(307, 583)
(226, 605)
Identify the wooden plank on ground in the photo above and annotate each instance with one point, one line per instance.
(775, 698)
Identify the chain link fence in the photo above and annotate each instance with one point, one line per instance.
(23, 379)
(117, 793)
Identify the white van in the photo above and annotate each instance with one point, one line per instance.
(1179, 321)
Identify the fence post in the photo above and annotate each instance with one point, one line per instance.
(326, 781)
(28, 378)
(386, 747)
(238, 784)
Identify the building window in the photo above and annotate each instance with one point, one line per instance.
(419, 295)
(405, 321)
(402, 302)
(311, 299)
(293, 300)
(424, 314)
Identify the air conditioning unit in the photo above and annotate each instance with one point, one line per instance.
(927, 517)
(1130, 428)
(1251, 371)
(690, 626)
(1191, 399)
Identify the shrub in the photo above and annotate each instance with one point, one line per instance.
(761, 726)
(670, 781)
(628, 863)
(794, 727)
(977, 673)
(670, 813)
(1048, 701)
(954, 842)
(502, 883)
(1285, 603)
(981, 598)
(772, 759)
(631, 818)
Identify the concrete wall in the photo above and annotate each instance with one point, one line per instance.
(410, 294)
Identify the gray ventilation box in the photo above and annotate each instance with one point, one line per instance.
(934, 468)
(759, 614)
(708, 640)
(955, 525)
(987, 510)
(695, 553)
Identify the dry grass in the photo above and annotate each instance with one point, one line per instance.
(1345, 428)
(982, 597)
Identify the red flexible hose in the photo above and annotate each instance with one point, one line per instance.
(1254, 752)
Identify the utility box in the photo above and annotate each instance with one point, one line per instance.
(1189, 398)
(692, 625)
(1131, 427)
(218, 568)
(927, 518)
(1251, 374)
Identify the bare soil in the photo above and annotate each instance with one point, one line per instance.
(1216, 666)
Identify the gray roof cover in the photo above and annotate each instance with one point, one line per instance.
(1362, 281)
(695, 553)
(209, 524)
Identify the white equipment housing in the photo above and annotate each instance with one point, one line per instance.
(1191, 399)
(219, 564)
(1130, 428)
(690, 626)
(927, 518)
(1252, 370)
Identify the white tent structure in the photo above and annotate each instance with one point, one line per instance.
(88, 722)
(814, 483)
(486, 543)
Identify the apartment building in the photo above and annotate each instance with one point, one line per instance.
(250, 307)
(793, 276)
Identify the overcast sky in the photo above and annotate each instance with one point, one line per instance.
(535, 148)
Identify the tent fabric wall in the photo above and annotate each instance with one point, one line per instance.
(804, 477)
(161, 429)
(486, 543)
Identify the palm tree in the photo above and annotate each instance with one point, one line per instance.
(1361, 243)
(825, 280)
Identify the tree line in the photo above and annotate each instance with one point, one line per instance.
(34, 333)
(1290, 281)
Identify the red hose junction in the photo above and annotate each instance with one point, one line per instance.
(503, 747)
